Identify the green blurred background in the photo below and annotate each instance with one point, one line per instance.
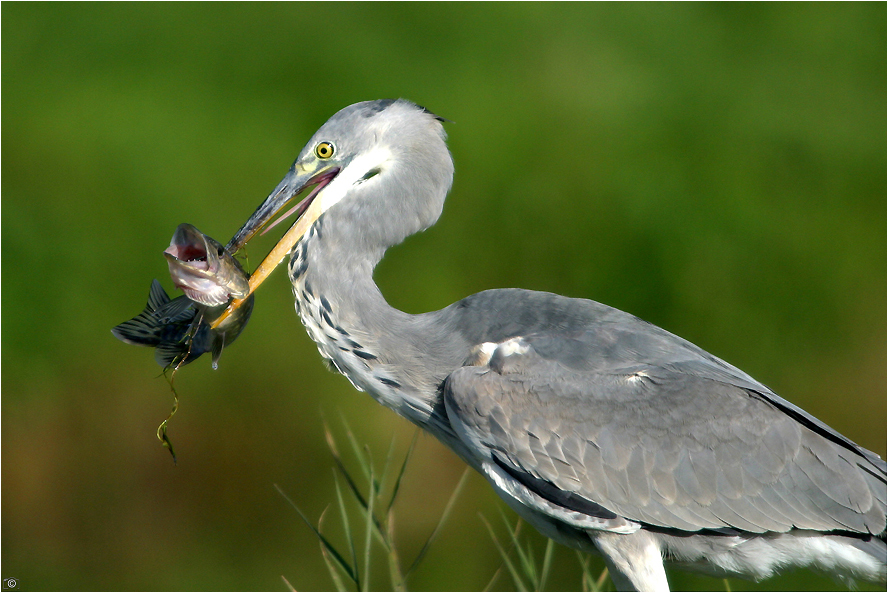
(718, 170)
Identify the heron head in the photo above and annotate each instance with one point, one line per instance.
(382, 165)
(380, 147)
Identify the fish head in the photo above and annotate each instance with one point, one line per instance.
(202, 268)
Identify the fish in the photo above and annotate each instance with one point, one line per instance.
(183, 329)
(180, 329)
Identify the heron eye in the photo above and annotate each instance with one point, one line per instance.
(324, 150)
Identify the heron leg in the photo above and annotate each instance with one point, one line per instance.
(634, 560)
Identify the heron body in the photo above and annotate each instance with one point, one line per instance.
(607, 433)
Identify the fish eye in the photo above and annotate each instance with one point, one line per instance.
(324, 150)
(220, 251)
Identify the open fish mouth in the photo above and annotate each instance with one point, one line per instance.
(194, 255)
(190, 250)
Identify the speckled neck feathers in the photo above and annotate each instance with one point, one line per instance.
(331, 270)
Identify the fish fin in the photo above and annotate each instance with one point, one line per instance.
(157, 297)
(218, 346)
(140, 331)
(179, 309)
(145, 328)
(167, 353)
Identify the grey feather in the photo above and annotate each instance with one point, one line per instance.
(726, 457)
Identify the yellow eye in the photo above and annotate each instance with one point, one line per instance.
(324, 150)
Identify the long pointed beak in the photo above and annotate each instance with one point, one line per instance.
(296, 180)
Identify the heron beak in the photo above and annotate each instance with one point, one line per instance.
(298, 178)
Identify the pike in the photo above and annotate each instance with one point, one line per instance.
(183, 329)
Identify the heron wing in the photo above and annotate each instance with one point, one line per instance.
(689, 443)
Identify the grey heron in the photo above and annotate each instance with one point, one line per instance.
(606, 433)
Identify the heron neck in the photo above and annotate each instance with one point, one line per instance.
(398, 358)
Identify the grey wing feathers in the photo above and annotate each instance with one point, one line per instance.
(688, 445)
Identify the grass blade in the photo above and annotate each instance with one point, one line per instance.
(352, 485)
(354, 488)
(289, 586)
(599, 584)
(359, 453)
(345, 523)
(331, 567)
(368, 538)
(331, 443)
(589, 583)
(324, 541)
(394, 562)
(516, 577)
(525, 557)
(493, 578)
(385, 467)
(444, 515)
(397, 485)
(586, 582)
(547, 564)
